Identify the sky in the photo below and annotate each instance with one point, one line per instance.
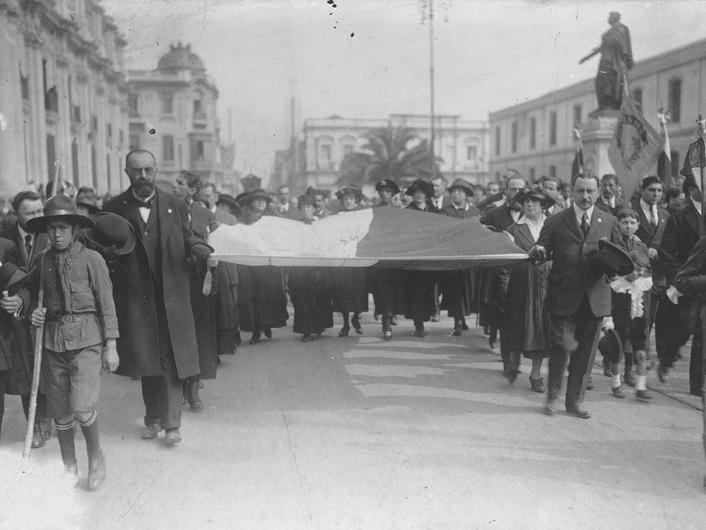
(370, 58)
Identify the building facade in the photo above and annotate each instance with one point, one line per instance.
(536, 138)
(63, 99)
(462, 145)
(173, 114)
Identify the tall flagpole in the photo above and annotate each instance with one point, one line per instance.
(432, 131)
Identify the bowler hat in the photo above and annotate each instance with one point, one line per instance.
(423, 185)
(12, 278)
(350, 190)
(387, 184)
(89, 200)
(465, 186)
(545, 200)
(111, 230)
(611, 259)
(59, 207)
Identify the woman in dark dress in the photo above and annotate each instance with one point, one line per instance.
(419, 285)
(310, 287)
(526, 328)
(262, 302)
(387, 284)
(350, 286)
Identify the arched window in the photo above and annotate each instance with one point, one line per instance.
(637, 97)
(674, 95)
(347, 144)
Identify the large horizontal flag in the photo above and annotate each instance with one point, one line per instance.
(381, 237)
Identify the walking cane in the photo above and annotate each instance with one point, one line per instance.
(38, 344)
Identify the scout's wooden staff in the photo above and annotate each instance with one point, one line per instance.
(701, 129)
(38, 342)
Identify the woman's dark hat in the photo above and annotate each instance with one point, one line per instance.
(112, 231)
(387, 184)
(545, 200)
(350, 190)
(305, 199)
(229, 202)
(611, 259)
(462, 184)
(247, 197)
(89, 200)
(59, 207)
(12, 278)
(423, 185)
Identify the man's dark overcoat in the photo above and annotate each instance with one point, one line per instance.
(140, 279)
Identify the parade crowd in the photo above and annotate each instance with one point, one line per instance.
(128, 284)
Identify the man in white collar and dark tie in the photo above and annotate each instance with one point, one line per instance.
(608, 199)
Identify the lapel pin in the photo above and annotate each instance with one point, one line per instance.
(169, 210)
(599, 219)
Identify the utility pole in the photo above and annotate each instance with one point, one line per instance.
(432, 131)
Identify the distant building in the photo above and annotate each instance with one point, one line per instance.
(536, 137)
(462, 145)
(173, 114)
(63, 95)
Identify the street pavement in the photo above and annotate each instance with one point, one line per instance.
(361, 433)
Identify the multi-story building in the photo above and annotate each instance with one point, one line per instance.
(536, 137)
(173, 114)
(63, 97)
(462, 145)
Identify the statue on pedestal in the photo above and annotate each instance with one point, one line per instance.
(616, 61)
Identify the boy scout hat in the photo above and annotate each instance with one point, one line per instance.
(12, 278)
(421, 184)
(112, 231)
(387, 184)
(59, 207)
(465, 186)
(611, 259)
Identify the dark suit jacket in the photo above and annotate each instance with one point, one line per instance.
(135, 283)
(499, 218)
(681, 234)
(18, 255)
(602, 205)
(572, 276)
(652, 237)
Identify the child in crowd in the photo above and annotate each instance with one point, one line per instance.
(630, 307)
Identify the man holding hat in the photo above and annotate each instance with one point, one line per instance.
(578, 295)
(80, 331)
(158, 338)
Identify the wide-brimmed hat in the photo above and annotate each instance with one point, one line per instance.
(306, 199)
(387, 184)
(59, 207)
(112, 231)
(229, 202)
(89, 200)
(465, 186)
(611, 259)
(421, 184)
(12, 278)
(545, 200)
(350, 190)
(247, 197)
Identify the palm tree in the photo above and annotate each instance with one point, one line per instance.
(388, 154)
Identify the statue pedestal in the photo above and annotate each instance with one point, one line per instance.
(596, 134)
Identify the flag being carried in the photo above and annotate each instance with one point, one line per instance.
(635, 147)
(695, 159)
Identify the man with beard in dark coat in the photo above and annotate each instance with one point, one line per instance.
(151, 290)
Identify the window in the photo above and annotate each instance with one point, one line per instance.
(675, 99)
(133, 108)
(107, 168)
(347, 149)
(200, 150)
(552, 172)
(108, 131)
(168, 148)
(513, 137)
(76, 114)
(497, 140)
(74, 160)
(533, 133)
(51, 154)
(94, 167)
(325, 152)
(637, 97)
(471, 153)
(94, 123)
(577, 115)
(134, 141)
(552, 128)
(167, 103)
(24, 85)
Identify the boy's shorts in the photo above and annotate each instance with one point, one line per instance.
(72, 380)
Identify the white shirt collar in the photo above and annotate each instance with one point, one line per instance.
(697, 205)
(646, 208)
(525, 220)
(140, 199)
(578, 212)
(466, 207)
(24, 233)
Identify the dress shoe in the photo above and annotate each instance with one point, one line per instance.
(387, 335)
(356, 324)
(418, 331)
(192, 395)
(255, 338)
(344, 331)
(435, 317)
(151, 431)
(464, 326)
(307, 338)
(70, 478)
(578, 412)
(550, 407)
(37, 439)
(537, 385)
(510, 374)
(172, 437)
(457, 332)
(268, 332)
(393, 321)
(629, 379)
(618, 392)
(96, 471)
(643, 395)
(663, 374)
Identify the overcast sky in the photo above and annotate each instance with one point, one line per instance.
(370, 58)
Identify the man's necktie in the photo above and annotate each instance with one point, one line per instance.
(28, 245)
(653, 221)
(584, 224)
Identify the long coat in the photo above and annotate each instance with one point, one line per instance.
(572, 277)
(138, 285)
(652, 237)
(419, 286)
(226, 296)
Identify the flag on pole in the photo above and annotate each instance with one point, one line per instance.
(577, 164)
(635, 147)
(663, 117)
(383, 237)
(694, 160)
